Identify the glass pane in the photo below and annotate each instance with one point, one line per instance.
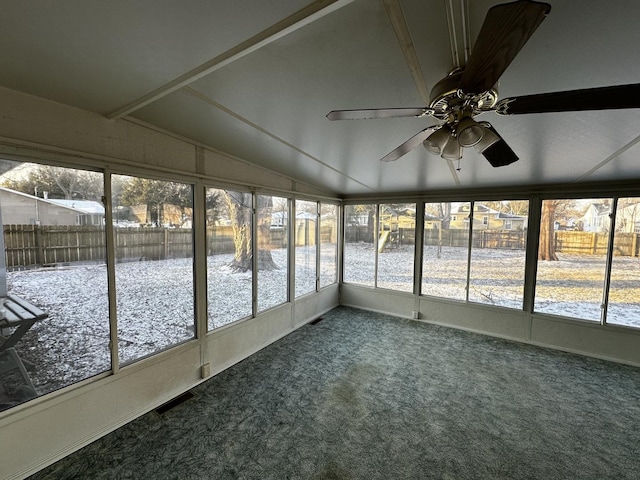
(498, 252)
(624, 293)
(54, 316)
(396, 246)
(229, 272)
(359, 250)
(305, 244)
(272, 251)
(328, 244)
(154, 265)
(572, 257)
(446, 248)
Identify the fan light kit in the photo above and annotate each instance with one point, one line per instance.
(470, 91)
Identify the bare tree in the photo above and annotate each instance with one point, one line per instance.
(155, 194)
(57, 182)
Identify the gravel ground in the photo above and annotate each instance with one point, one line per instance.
(155, 299)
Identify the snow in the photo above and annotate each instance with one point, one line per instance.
(155, 305)
(571, 287)
(155, 298)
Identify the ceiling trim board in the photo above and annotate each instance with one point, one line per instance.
(312, 12)
(396, 16)
(403, 35)
(614, 155)
(213, 103)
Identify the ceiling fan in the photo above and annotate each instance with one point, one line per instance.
(469, 91)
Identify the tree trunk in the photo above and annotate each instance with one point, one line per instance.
(265, 208)
(547, 246)
(239, 205)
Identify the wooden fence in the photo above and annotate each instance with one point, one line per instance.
(37, 245)
(33, 245)
(570, 242)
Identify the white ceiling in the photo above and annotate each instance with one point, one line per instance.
(256, 79)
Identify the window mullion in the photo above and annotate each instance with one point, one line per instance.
(470, 242)
(254, 253)
(110, 241)
(376, 235)
(609, 262)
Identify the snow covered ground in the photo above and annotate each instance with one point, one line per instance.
(572, 286)
(155, 308)
(155, 298)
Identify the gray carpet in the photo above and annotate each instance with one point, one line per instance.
(361, 395)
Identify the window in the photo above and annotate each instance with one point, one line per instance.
(446, 250)
(485, 220)
(305, 246)
(359, 244)
(624, 292)
(272, 253)
(572, 257)
(328, 244)
(154, 265)
(396, 246)
(496, 273)
(54, 266)
(229, 254)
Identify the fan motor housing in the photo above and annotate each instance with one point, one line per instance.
(446, 97)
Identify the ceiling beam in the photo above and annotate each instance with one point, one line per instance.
(201, 96)
(401, 29)
(310, 13)
(613, 156)
(396, 16)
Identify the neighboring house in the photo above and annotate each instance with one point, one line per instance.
(23, 209)
(432, 222)
(485, 218)
(91, 213)
(628, 218)
(596, 218)
(512, 222)
(394, 219)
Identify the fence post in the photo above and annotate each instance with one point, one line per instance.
(39, 246)
(166, 243)
(634, 244)
(594, 242)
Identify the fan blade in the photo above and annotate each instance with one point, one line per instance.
(600, 98)
(499, 154)
(505, 30)
(409, 145)
(378, 113)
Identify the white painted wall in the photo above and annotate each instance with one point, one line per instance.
(578, 336)
(46, 429)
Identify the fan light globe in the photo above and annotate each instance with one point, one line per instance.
(452, 150)
(469, 132)
(436, 142)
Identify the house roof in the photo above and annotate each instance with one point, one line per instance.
(85, 206)
(82, 206)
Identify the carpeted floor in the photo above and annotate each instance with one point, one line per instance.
(361, 395)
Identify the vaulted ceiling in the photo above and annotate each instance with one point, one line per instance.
(255, 79)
